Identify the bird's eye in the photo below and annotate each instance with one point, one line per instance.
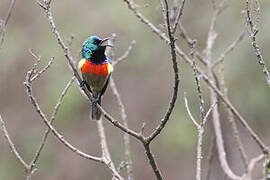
(97, 42)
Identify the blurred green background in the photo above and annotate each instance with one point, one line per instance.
(144, 81)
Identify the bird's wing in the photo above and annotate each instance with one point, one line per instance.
(105, 85)
(81, 63)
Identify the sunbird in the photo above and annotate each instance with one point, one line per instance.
(96, 69)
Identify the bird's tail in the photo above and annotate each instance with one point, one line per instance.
(96, 113)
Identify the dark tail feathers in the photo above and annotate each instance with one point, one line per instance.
(96, 113)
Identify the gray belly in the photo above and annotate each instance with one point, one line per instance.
(95, 82)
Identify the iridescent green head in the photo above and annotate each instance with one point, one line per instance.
(92, 44)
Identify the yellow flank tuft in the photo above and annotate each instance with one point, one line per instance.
(81, 63)
(110, 68)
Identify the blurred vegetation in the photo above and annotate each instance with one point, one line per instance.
(144, 81)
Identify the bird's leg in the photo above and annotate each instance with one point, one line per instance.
(85, 83)
(95, 99)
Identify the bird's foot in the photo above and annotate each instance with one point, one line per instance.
(83, 83)
(94, 101)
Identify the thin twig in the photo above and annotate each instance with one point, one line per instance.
(47, 131)
(152, 161)
(208, 112)
(251, 166)
(49, 125)
(214, 98)
(197, 80)
(163, 122)
(190, 42)
(125, 55)
(105, 151)
(209, 82)
(189, 112)
(122, 108)
(126, 136)
(12, 146)
(252, 34)
(241, 119)
(232, 120)
(179, 14)
(3, 25)
(230, 48)
(165, 119)
(43, 70)
(200, 129)
(69, 58)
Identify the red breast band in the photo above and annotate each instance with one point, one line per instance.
(100, 69)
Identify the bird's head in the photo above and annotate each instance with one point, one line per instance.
(92, 44)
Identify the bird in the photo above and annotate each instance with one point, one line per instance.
(96, 69)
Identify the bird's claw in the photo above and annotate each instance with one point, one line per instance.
(94, 101)
(82, 83)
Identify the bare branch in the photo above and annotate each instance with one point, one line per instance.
(190, 42)
(241, 119)
(47, 131)
(189, 112)
(3, 25)
(55, 132)
(209, 82)
(152, 161)
(213, 96)
(12, 146)
(197, 80)
(252, 34)
(220, 146)
(165, 119)
(76, 74)
(37, 75)
(179, 14)
(105, 151)
(208, 112)
(251, 166)
(126, 136)
(232, 120)
(200, 129)
(125, 55)
(230, 48)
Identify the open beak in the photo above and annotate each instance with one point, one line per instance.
(104, 40)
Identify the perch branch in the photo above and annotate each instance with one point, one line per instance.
(46, 8)
(49, 125)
